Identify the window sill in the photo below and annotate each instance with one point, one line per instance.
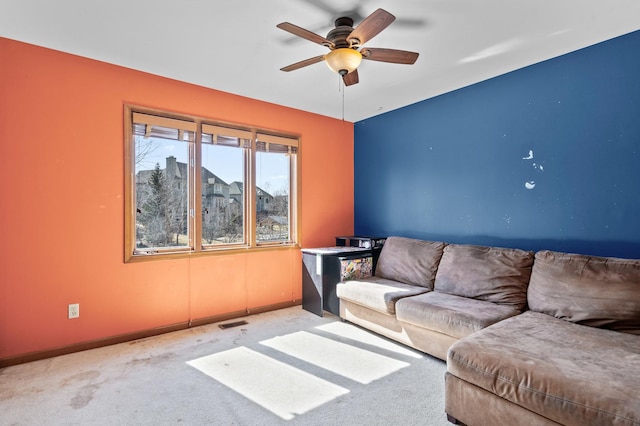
(137, 258)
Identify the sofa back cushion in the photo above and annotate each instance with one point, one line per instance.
(589, 290)
(410, 261)
(493, 274)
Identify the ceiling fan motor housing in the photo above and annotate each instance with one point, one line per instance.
(338, 35)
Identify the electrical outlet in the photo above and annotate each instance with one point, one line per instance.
(74, 310)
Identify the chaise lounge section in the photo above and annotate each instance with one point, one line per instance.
(572, 359)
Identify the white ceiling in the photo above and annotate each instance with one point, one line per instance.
(234, 45)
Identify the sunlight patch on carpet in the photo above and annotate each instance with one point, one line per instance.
(359, 335)
(280, 388)
(349, 361)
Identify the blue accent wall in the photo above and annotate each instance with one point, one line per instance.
(545, 157)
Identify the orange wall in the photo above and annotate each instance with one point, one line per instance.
(62, 213)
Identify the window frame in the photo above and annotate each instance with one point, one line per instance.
(195, 219)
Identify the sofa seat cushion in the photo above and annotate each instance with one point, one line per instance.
(379, 294)
(410, 261)
(493, 274)
(589, 290)
(449, 314)
(569, 373)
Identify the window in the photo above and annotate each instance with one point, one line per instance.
(197, 186)
(273, 187)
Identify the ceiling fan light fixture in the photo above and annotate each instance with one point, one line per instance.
(343, 60)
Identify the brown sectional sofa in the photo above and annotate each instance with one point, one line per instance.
(544, 339)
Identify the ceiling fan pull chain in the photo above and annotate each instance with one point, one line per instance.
(342, 85)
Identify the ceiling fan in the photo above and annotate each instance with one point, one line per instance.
(346, 45)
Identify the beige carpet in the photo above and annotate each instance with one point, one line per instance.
(282, 367)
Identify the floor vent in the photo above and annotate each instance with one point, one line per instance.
(232, 324)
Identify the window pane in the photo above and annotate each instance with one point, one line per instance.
(272, 196)
(161, 189)
(222, 193)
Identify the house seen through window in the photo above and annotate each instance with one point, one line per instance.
(198, 186)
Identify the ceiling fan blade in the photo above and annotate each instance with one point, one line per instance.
(351, 78)
(371, 27)
(306, 34)
(389, 55)
(304, 63)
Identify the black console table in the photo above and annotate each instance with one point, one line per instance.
(323, 268)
